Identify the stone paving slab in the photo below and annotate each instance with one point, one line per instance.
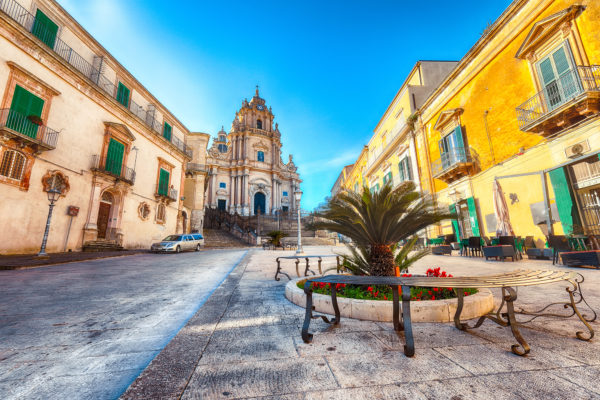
(19, 261)
(254, 350)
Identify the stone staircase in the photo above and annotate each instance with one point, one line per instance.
(216, 238)
(102, 245)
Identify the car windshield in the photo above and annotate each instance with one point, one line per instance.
(172, 238)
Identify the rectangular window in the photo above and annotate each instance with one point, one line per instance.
(222, 185)
(24, 108)
(405, 169)
(260, 156)
(387, 178)
(285, 194)
(222, 204)
(44, 29)
(163, 182)
(123, 94)
(114, 157)
(559, 77)
(452, 148)
(167, 131)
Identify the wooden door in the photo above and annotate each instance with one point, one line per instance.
(103, 215)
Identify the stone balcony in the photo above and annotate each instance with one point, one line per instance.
(569, 99)
(453, 165)
(27, 130)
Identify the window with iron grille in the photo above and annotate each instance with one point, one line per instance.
(12, 165)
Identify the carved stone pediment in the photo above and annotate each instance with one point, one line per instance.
(448, 118)
(541, 30)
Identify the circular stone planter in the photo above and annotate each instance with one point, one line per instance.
(474, 306)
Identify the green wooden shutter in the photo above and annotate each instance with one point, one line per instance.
(114, 157)
(123, 95)
(389, 175)
(163, 182)
(473, 216)
(452, 209)
(460, 152)
(565, 203)
(23, 105)
(44, 29)
(167, 131)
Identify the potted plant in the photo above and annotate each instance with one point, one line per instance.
(34, 119)
(276, 237)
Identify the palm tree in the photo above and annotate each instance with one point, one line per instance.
(377, 221)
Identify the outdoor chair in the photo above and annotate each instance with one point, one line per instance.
(475, 245)
(558, 244)
(529, 243)
(509, 241)
(486, 241)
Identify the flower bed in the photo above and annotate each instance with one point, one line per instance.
(385, 292)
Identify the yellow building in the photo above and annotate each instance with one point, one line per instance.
(390, 155)
(521, 107)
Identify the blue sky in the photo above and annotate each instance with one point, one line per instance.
(329, 69)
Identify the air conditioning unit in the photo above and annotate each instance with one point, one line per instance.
(577, 149)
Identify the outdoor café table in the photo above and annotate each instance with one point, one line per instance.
(307, 268)
(507, 282)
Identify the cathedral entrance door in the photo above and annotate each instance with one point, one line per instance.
(260, 202)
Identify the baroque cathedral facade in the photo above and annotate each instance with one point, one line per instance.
(245, 171)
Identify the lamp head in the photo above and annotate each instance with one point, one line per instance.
(298, 195)
(53, 194)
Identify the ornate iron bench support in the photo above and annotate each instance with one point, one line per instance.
(508, 318)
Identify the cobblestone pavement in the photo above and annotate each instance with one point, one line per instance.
(245, 343)
(86, 330)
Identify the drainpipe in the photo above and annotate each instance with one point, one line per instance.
(489, 138)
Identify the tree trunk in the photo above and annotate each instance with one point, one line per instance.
(382, 260)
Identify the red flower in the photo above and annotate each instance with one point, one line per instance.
(466, 293)
(435, 289)
(443, 274)
(432, 297)
(429, 292)
(369, 289)
(376, 293)
(385, 297)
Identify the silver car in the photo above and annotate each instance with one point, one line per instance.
(179, 243)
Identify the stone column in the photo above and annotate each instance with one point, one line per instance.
(90, 230)
(230, 188)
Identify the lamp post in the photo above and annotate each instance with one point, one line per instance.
(53, 195)
(297, 197)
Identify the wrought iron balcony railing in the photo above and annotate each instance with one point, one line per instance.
(163, 190)
(28, 21)
(457, 156)
(554, 96)
(114, 168)
(28, 129)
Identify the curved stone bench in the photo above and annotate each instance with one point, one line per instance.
(475, 306)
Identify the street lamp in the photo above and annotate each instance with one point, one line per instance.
(53, 195)
(297, 197)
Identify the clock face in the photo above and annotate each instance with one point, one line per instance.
(260, 107)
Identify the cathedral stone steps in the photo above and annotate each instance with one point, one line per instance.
(216, 238)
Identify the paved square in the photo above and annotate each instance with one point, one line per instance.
(86, 330)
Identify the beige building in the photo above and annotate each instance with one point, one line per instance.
(73, 118)
(246, 174)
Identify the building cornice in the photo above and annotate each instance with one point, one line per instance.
(55, 64)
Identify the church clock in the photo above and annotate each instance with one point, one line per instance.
(260, 107)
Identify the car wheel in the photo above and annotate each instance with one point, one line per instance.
(198, 247)
(178, 249)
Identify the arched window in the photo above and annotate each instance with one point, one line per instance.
(222, 138)
(13, 164)
(223, 148)
(259, 124)
(260, 156)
